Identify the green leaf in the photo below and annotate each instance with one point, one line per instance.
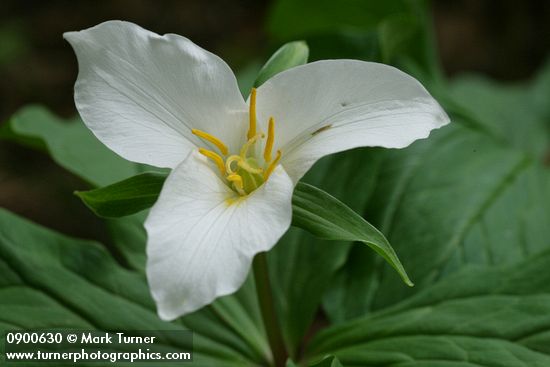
(129, 237)
(326, 217)
(48, 280)
(512, 113)
(440, 222)
(70, 144)
(349, 294)
(467, 195)
(287, 56)
(299, 287)
(329, 361)
(125, 197)
(481, 316)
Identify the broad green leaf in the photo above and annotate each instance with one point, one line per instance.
(48, 280)
(490, 316)
(287, 56)
(70, 144)
(242, 314)
(441, 222)
(301, 265)
(326, 217)
(129, 237)
(76, 149)
(466, 195)
(512, 113)
(234, 321)
(125, 197)
(300, 268)
(350, 293)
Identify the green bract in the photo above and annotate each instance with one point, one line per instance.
(288, 56)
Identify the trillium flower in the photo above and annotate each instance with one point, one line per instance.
(164, 101)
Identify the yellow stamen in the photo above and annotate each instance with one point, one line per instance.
(245, 171)
(237, 183)
(252, 114)
(272, 166)
(211, 138)
(249, 143)
(229, 161)
(214, 157)
(247, 167)
(270, 140)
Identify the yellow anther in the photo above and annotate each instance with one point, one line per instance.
(211, 138)
(249, 143)
(229, 161)
(270, 140)
(237, 183)
(272, 166)
(252, 114)
(214, 157)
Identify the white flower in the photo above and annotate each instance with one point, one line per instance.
(164, 101)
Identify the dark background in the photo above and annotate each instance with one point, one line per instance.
(507, 40)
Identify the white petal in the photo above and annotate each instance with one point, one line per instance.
(330, 106)
(141, 93)
(200, 247)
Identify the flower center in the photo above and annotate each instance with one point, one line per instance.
(244, 172)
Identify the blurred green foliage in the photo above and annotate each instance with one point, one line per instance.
(396, 32)
(13, 43)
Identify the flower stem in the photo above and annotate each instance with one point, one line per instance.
(267, 307)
